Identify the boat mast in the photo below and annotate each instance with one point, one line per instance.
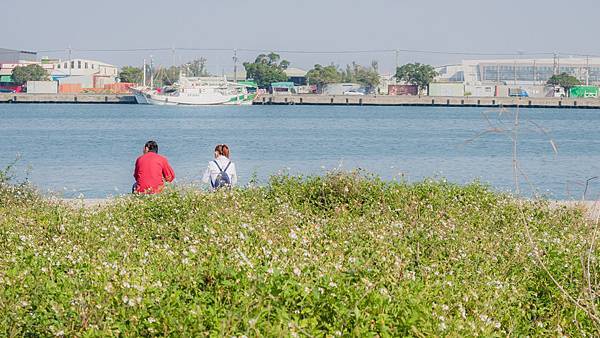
(144, 74)
(151, 75)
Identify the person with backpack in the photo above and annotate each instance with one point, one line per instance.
(220, 171)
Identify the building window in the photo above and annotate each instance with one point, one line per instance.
(58, 66)
(72, 64)
(65, 65)
(92, 66)
(86, 65)
(79, 64)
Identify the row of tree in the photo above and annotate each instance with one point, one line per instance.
(164, 76)
(366, 76)
(269, 68)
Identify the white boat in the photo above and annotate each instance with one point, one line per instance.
(198, 91)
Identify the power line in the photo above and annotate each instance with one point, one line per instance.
(313, 52)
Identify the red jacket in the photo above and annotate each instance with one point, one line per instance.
(150, 170)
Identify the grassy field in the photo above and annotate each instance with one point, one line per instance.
(340, 255)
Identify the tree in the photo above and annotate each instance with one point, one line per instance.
(564, 80)
(21, 75)
(166, 76)
(195, 68)
(367, 76)
(131, 74)
(416, 74)
(266, 69)
(321, 76)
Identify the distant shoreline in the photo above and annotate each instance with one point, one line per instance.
(333, 100)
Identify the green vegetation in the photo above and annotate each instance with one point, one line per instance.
(195, 68)
(366, 76)
(131, 74)
(416, 74)
(165, 76)
(564, 80)
(354, 73)
(266, 69)
(21, 75)
(344, 254)
(322, 75)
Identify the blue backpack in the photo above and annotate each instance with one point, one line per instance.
(222, 179)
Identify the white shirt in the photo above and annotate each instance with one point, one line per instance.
(212, 171)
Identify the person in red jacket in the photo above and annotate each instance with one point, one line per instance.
(151, 170)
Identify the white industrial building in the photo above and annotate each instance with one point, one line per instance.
(88, 73)
(520, 71)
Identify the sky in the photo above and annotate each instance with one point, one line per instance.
(305, 32)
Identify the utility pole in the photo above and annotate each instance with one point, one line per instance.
(587, 70)
(70, 63)
(237, 89)
(498, 73)
(173, 55)
(235, 60)
(397, 63)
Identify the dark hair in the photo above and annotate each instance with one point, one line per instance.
(152, 146)
(222, 149)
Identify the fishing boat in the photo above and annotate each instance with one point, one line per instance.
(199, 91)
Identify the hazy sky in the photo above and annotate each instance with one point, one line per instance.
(483, 26)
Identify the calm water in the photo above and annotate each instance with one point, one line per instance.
(91, 149)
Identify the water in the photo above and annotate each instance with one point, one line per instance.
(91, 149)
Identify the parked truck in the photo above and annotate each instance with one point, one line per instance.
(583, 91)
(517, 92)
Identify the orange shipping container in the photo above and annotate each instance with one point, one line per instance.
(119, 87)
(69, 88)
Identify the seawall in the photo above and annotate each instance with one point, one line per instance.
(66, 98)
(350, 100)
(388, 100)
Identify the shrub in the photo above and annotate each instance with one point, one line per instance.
(343, 254)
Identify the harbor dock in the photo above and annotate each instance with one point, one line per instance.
(340, 100)
(453, 101)
(66, 98)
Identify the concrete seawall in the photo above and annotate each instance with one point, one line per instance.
(66, 98)
(385, 100)
(351, 100)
